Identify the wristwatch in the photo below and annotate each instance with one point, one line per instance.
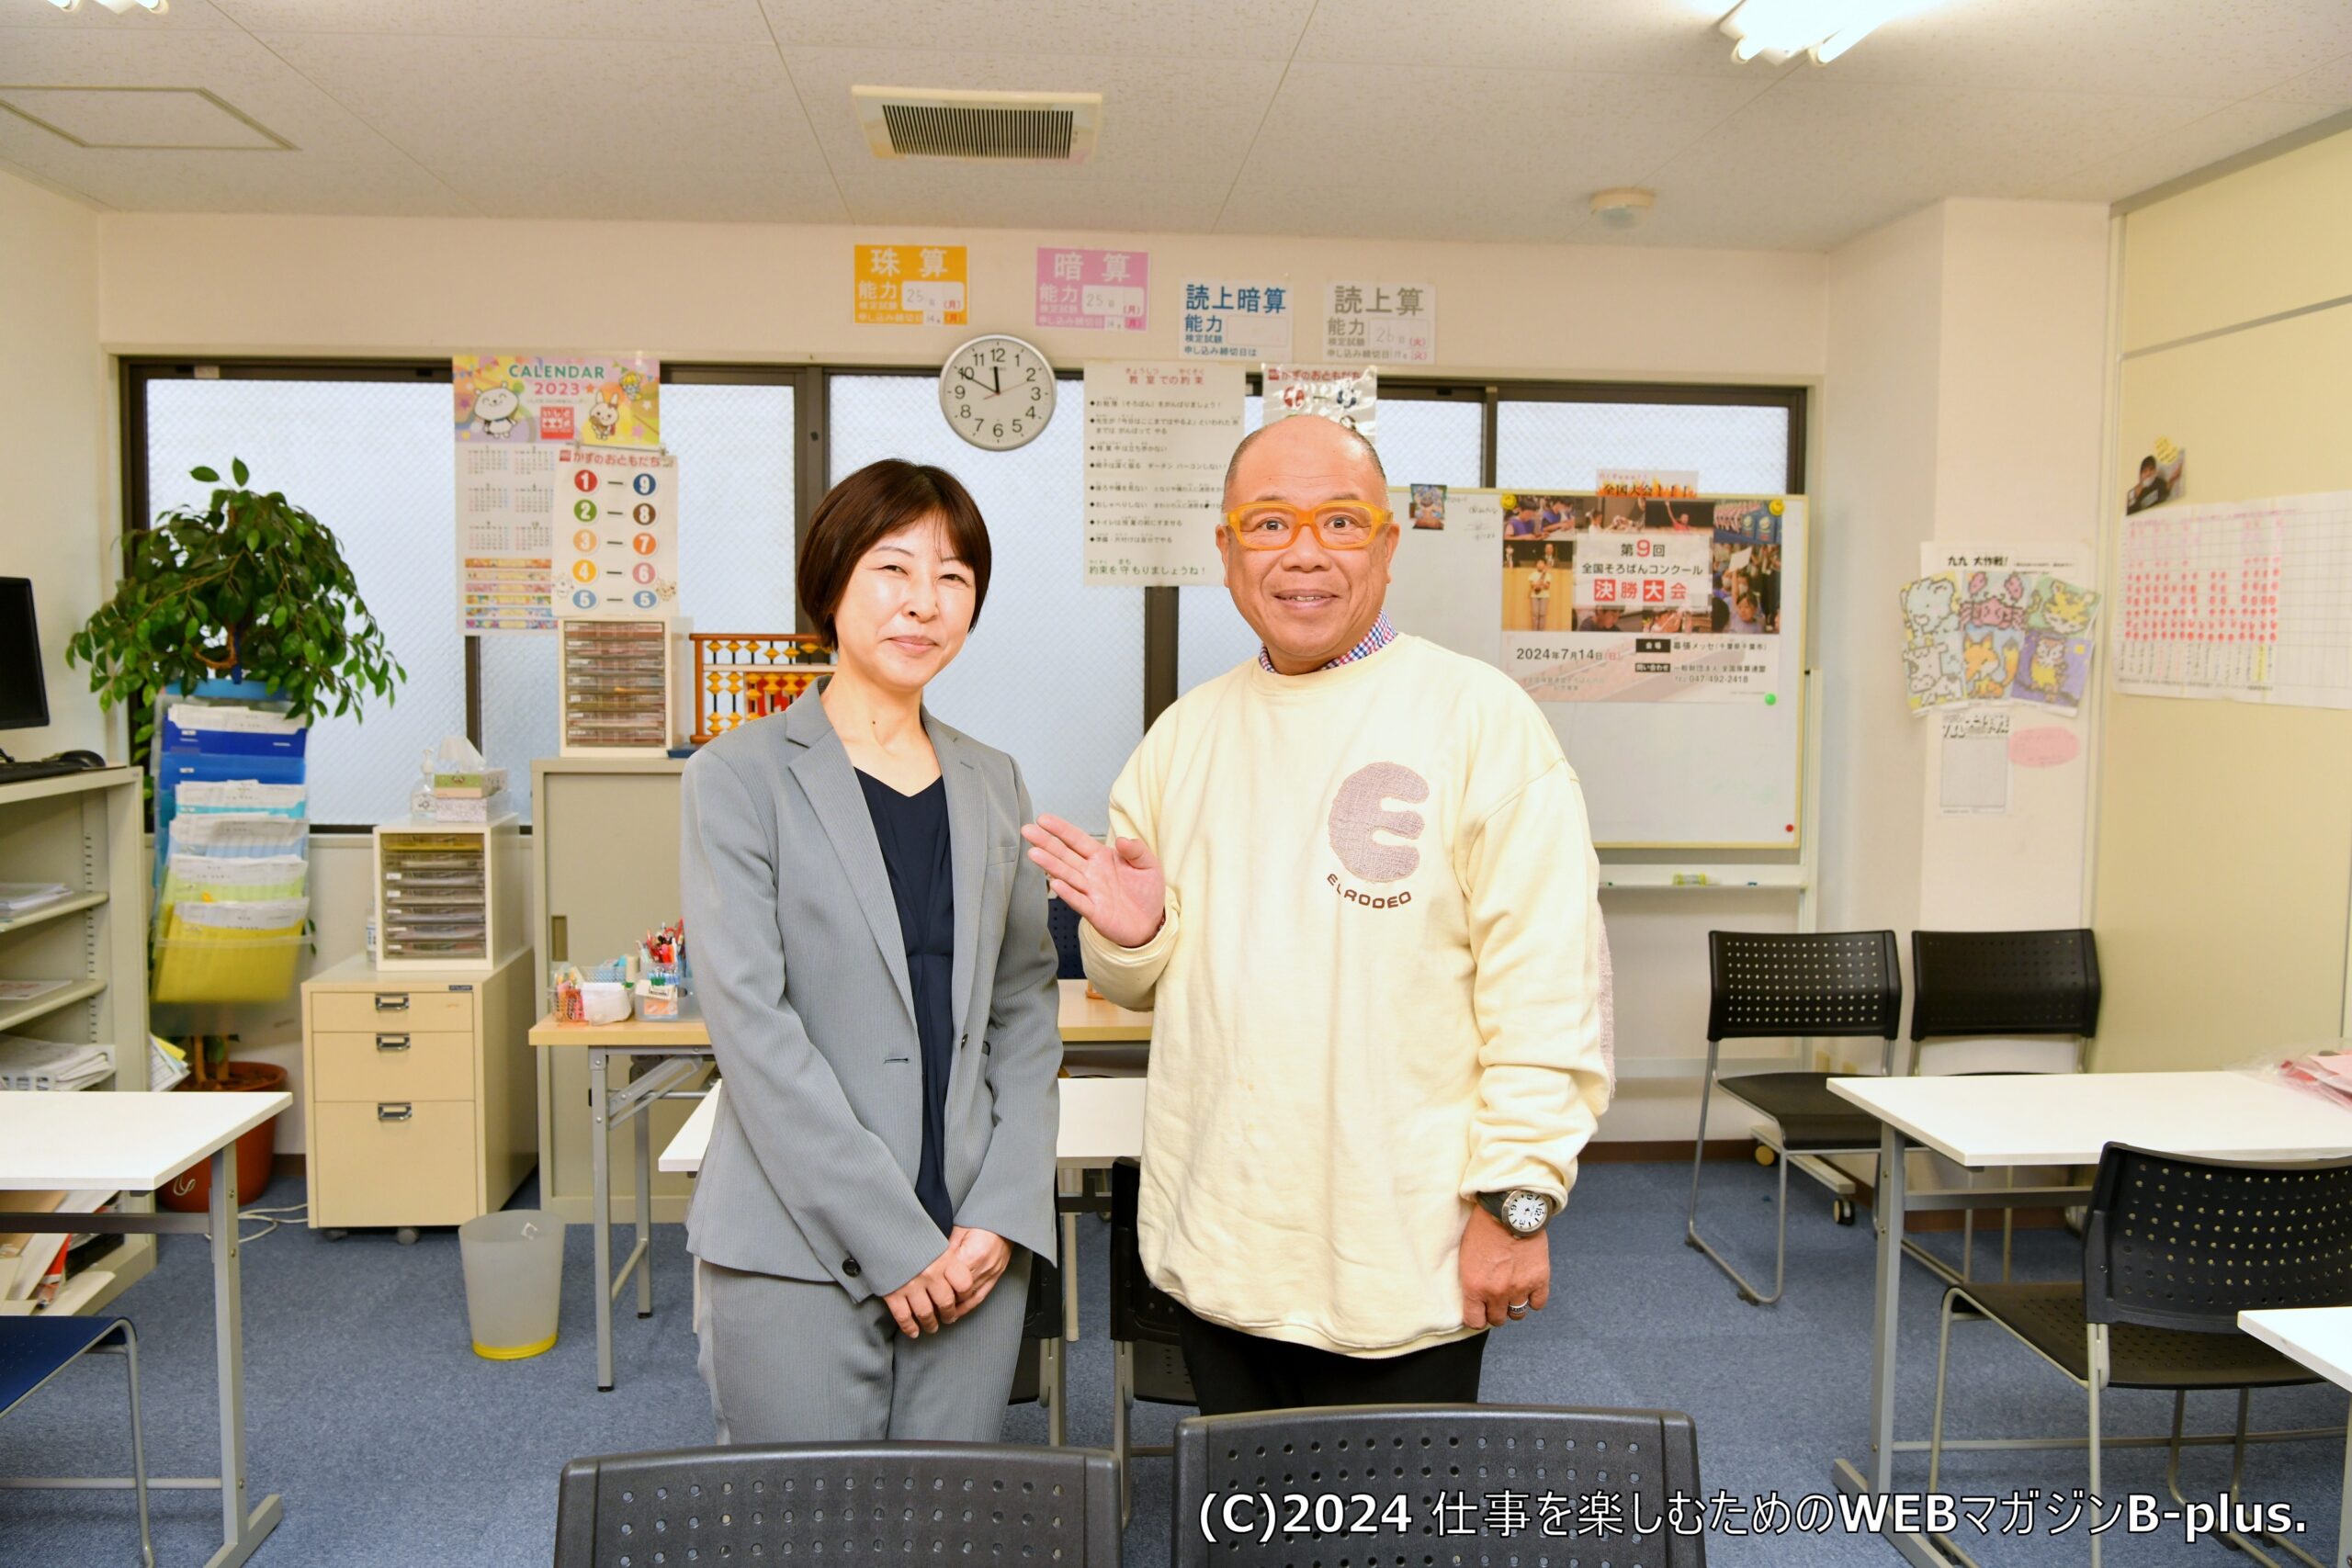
(1523, 1211)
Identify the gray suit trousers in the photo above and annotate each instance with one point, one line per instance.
(802, 1361)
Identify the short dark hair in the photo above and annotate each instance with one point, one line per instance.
(879, 499)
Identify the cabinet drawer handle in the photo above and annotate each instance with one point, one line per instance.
(387, 1001)
(392, 1042)
(394, 1112)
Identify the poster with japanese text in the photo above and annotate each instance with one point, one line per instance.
(1158, 437)
(1635, 599)
(617, 557)
(1348, 393)
(1996, 623)
(1394, 324)
(509, 413)
(1246, 319)
(1094, 291)
(910, 286)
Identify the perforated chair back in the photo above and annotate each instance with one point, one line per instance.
(1809, 982)
(2189, 1244)
(1041, 1320)
(1433, 1456)
(1967, 983)
(1062, 921)
(853, 1503)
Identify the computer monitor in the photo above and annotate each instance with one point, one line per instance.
(23, 697)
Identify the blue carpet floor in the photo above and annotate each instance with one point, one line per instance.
(393, 1445)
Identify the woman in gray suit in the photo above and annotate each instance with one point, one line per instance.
(870, 948)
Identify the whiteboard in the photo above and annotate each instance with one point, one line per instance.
(1671, 775)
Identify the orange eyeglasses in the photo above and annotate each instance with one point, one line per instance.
(1276, 524)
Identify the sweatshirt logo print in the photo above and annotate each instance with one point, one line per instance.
(1359, 810)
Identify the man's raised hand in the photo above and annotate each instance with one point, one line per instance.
(1117, 888)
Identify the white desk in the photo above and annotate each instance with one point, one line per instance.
(1101, 1122)
(2047, 1119)
(138, 1142)
(2321, 1338)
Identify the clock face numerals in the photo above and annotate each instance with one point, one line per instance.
(997, 392)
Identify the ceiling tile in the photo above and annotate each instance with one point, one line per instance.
(2329, 85)
(337, 163)
(1182, 126)
(1650, 37)
(180, 118)
(2116, 46)
(585, 128)
(737, 21)
(2182, 149)
(1178, 29)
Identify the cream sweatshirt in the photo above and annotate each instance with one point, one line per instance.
(1377, 988)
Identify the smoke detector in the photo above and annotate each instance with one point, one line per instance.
(1623, 206)
(938, 123)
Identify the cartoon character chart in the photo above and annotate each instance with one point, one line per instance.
(617, 557)
(510, 412)
(1990, 624)
(1643, 597)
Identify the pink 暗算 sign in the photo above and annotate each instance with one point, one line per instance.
(1096, 290)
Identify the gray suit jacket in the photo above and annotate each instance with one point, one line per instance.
(801, 968)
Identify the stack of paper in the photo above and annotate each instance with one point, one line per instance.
(23, 897)
(33, 1262)
(51, 1064)
(234, 850)
(2325, 1073)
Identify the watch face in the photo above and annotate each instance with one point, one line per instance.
(997, 392)
(1525, 1211)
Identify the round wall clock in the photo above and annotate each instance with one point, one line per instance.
(997, 391)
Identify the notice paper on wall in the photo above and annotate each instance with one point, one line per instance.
(1094, 291)
(509, 413)
(1248, 319)
(1348, 393)
(1158, 437)
(1974, 767)
(619, 554)
(2248, 600)
(1998, 623)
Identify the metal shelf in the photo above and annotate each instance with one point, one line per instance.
(73, 903)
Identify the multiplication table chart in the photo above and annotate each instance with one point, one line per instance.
(617, 533)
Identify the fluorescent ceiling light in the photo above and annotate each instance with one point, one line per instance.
(1776, 29)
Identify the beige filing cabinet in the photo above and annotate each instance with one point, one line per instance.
(416, 1090)
(603, 871)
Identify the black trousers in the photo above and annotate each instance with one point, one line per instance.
(1233, 1371)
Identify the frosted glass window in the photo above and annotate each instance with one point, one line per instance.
(1053, 674)
(1424, 441)
(735, 449)
(1738, 448)
(373, 461)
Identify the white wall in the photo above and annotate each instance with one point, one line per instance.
(56, 444)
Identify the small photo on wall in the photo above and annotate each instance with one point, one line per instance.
(1428, 506)
(1539, 578)
(2163, 477)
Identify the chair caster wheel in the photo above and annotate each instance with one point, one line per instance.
(1842, 1210)
(405, 1235)
(1764, 1156)
(334, 1233)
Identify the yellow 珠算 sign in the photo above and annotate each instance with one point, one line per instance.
(911, 286)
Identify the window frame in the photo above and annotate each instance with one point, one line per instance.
(812, 454)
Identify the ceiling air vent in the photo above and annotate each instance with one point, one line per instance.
(922, 122)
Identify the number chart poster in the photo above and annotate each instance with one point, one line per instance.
(1642, 599)
(911, 286)
(620, 534)
(509, 413)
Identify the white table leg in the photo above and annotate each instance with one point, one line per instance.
(1887, 1214)
(644, 1205)
(241, 1529)
(600, 1220)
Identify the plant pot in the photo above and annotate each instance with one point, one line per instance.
(191, 1190)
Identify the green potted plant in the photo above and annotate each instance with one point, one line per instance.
(249, 587)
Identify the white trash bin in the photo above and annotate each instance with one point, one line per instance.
(514, 1264)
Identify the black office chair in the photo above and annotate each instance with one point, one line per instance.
(1429, 1459)
(1062, 921)
(1148, 1350)
(1999, 983)
(1766, 985)
(2173, 1250)
(850, 1502)
(1039, 1377)
(34, 1349)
